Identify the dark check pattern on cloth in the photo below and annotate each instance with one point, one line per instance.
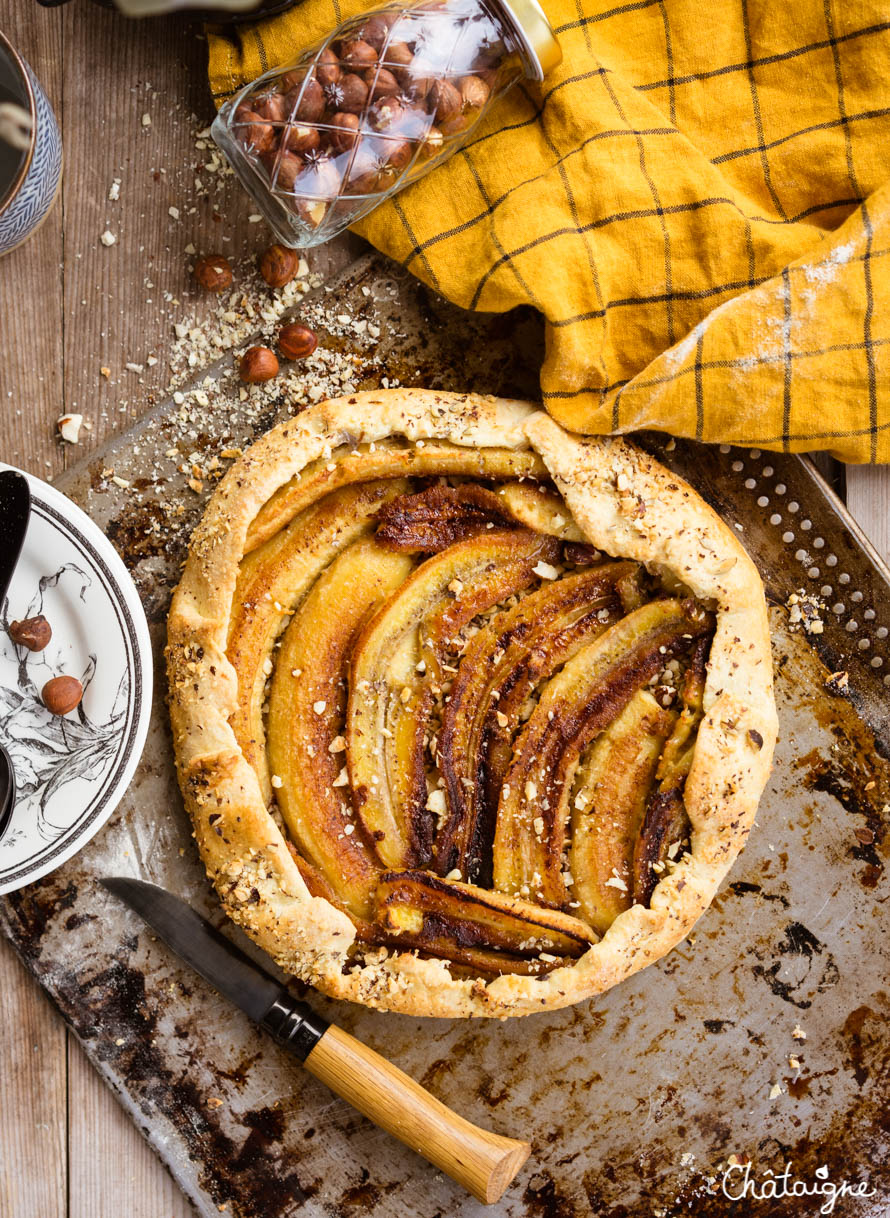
(697, 200)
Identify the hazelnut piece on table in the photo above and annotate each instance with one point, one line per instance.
(296, 340)
(258, 364)
(213, 273)
(278, 266)
(31, 632)
(61, 695)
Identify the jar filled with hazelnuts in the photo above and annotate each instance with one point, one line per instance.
(381, 101)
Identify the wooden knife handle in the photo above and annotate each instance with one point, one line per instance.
(484, 1163)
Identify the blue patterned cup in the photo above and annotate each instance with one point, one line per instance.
(30, 175)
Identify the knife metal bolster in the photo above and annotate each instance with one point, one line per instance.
(295, 1025)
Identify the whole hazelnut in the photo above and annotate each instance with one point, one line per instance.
(296, 341)
(357, 54)
(416, 86)
(376, 28)
(271, 106)
(474, 92)
(269, 160)
(366, 171)
(327, 69)
(31, 632)
(443, 100)
(460, 122)
(320, 177)
(397, 116)
(374, 164)
(398, 155)
(213, 273)
(381, 83)
(387, 113)
(289, 168)
(61, 695)
(349, 93)
(431, 145)
(278, 266)
(311, 104)
(311, 211)
(254, 133)
(258, 364)
(344, 131)
(398, 55)
(301, 138)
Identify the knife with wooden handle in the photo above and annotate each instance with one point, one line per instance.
(483, 1162)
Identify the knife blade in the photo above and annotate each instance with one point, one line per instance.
(15, 510)
(483, 1162)
(200, 945)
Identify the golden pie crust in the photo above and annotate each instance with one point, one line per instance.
(619, 500)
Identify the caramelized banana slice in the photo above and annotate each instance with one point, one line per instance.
(365, 932)
(388, 459)
(307, 702)
(503, 664)
(666, 825)
(488, 931)
(272, 581)
(438, 517)
(613, 786)
(591, 690)
(390, 702)
(540, 509)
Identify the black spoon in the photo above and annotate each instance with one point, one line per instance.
(15, 508)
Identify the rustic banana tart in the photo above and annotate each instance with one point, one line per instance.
(471, 715)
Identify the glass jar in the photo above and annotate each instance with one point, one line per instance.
(381, 101)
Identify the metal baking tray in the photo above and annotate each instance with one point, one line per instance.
(636, 1102)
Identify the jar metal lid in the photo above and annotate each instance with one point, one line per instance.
(539, 44)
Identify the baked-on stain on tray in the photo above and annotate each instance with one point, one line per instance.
(635, 1101)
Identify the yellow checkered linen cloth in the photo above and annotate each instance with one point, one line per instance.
(697, 200)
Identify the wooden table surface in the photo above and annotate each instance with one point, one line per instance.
(71, 306)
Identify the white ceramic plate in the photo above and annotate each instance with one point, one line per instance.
(71, 770)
